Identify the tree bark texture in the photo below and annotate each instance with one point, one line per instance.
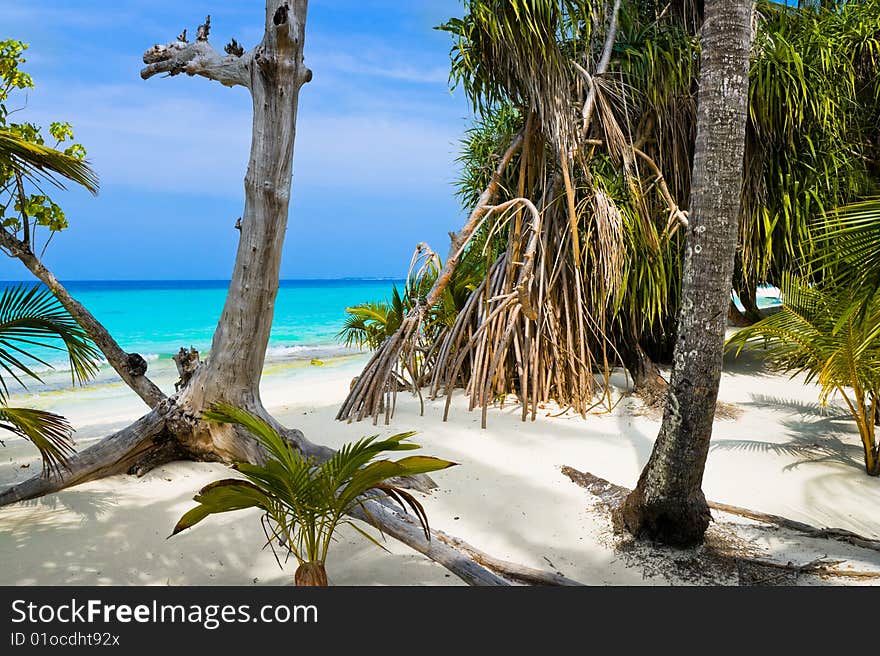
(668, 504)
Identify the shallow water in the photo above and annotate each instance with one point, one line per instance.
(157, 318)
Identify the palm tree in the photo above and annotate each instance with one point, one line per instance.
(668, 503)
(369, 324)
(832, 334)
(304, 502)
(31, 317)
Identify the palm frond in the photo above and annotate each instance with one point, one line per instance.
(31, 316)
(30, 158)
(304, 501)
(50, 433)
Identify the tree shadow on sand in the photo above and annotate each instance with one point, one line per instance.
(90, 505)
(816, 434)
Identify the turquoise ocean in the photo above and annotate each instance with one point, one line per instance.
(156, 318)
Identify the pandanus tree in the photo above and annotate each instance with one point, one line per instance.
(175, 427)
(557, 242)
(634, 112)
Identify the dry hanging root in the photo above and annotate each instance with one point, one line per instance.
(376, 388)
(366, 397)
(536, 344)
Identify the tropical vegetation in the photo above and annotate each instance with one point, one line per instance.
(303, 501)
(32, 321)
(605, 157)
(829, 329)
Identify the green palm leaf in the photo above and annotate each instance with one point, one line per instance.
(848, 248)
(303, 501)
(50, 433)
(29, 158)
(832, 336)
(31, 316)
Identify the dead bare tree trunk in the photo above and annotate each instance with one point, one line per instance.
(273, 72)
(668, 503)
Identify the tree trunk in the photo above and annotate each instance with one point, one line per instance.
(749, 299)
(311, 575)
(273, 72)
(668, 504)
(648, 382)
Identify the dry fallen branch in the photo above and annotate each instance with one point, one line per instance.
(505, 568)
(471, 565)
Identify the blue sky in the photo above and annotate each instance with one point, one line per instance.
(376, 143)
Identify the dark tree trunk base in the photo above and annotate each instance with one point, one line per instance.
(749, 300)
(737, 318)
(674, 522)
(167, 448)
(648, 381)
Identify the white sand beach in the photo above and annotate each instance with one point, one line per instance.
(782, 454)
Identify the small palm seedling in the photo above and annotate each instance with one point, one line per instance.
(303, 502)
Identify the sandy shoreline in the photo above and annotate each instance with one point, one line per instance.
(782, 455)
